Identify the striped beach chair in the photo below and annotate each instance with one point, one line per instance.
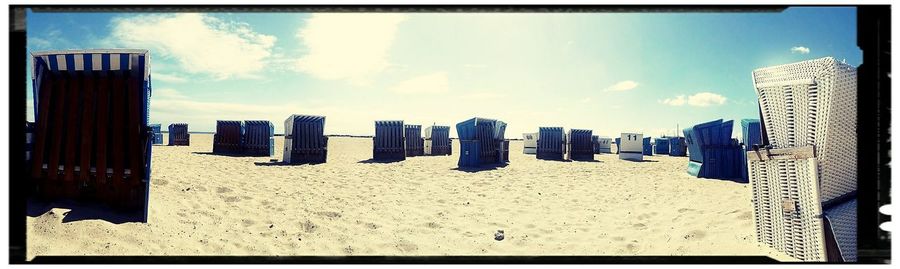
(713, 154)
(437, 140)
(156, 129)
(482, 142)
(647, 147)
(677, 146)
(579, 145)
(662, 145)
(179, 135)
(92, 138)
(415, 144)
(229, 137)
(259, 138)
(304, 140)
(551, 143)
(389, 142)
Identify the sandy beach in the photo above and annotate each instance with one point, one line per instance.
(203, 204)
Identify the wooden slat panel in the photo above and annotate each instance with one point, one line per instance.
(40, 142)
(87, 128)
(118, 125)
(57, 128)
(102, 135)
(134, 130)
(72, 123)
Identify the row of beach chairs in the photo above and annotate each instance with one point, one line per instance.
(394, 141)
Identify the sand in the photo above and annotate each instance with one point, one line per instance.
(202, 204)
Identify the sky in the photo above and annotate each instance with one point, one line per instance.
(608, 72)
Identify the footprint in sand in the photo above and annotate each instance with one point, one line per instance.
(632, 248)
(618, 238)
(433, 225)
(695, 235)
(308, 226)
(639, 226)
(247, 222)
(745, 216)
(682, 210)
(372, 226)
(160, 182)
(222, 190)
(330, 214)
(232, 199)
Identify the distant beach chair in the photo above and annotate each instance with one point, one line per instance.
(481, 142)
(631, 147)
(788, 211)
(677, 147)
(713, 154)
(156, 130)
(92, 139)
(662, 145)
(751, 136)
(551, 143)
(304, 140)
(389, 142)
(437, 140)
(229, 137)
(259, 138)
(415, 145)
(179, 135)
(595, 143)
(604, 144)
(647, 147)
(619, 144)
(530, 141)
(579, 146)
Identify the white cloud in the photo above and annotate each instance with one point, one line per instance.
(167, 93)
(623, 86)
(168, 77)
(351, 46)
(706, 99)
(701, 99)
(585, 100)
(425, 84)
(677, 101)
(199, 43)
(801, 50)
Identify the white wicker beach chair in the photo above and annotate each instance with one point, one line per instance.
(813, 103)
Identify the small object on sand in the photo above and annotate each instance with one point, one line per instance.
(273, 160)
(499, 235)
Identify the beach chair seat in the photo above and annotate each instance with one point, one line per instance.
(788, 212)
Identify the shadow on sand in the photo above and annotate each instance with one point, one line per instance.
(226, 154)
(485, 167)
(281, 163)
(82, 211)
(380, 161)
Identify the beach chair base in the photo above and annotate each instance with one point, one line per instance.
(631, 156)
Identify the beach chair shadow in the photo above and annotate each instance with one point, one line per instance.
(82, 211)
(281, 163)
(380, 161)
(479, 168)
(222, 154)
(587, 161)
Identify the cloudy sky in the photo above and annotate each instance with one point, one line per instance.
(612, 73)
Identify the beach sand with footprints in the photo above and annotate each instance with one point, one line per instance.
(204, 204)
